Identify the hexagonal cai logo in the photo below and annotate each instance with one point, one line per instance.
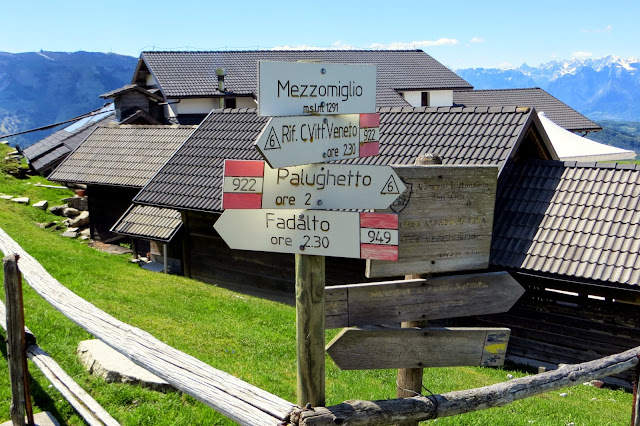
(403, 200)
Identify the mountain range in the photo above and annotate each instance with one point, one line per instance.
(605, 88)
(40, 88)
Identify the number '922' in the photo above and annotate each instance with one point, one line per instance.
(244, 185)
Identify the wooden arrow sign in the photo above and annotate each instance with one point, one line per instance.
(312, 232)
(293, 141)
(378, 348)
(254, 185)
(446, 218)
(419, 299)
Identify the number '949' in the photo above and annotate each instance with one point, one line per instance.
(379, 237)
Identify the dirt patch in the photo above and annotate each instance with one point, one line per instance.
(109, 248)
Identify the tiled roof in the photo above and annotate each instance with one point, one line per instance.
(128, 88)
(125, 155)
(136, 115)
(56, 154)
(192, 178)
(187, 119)
(557, 111)
(578, 220)
(149, 222)
(58, 145)
(192, 74)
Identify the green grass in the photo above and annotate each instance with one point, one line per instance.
(251, 338)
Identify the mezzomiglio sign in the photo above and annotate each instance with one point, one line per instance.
(308, 88)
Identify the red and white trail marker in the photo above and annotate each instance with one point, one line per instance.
(312, 232)
(242, 186)
(255, 185)
(293, 141)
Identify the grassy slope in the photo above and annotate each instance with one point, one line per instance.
(250, 338)
(622, 134)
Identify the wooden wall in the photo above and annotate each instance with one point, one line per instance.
(128, 100)
(209, 259)
(547, 328)
(550, 328)
(106, 205)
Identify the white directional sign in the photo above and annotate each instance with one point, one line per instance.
(312, 232)
(254, 185)
(292, 141)
(308, 88)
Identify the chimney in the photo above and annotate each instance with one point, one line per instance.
(428, 159)
(220, 72)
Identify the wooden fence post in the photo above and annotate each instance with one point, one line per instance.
(409, 380)
(16, 344)
(635, 412)
(310, 337)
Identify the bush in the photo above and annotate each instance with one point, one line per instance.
(10, 166)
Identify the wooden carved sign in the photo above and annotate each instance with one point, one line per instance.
(374, 348)
(445, 220)
(419, 299)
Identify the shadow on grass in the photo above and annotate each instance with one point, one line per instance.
(39, 396)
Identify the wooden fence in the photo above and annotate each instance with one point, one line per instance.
(549, 328)
(80, 400)
(249, 405)
(236, 399)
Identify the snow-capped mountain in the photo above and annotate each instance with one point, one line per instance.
(554, 70)
(600, 88)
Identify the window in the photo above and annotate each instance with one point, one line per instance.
(425, 99)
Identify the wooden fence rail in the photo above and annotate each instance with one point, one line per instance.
(80, 400)
(249, 405)
(240, 401)
(458, 402)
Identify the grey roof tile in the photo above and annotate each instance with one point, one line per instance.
(231, 133)
(55, 147)
(149, 222)
(121, 155)
(192, 74)
(588, 230)
(557, 111)
(129, 88)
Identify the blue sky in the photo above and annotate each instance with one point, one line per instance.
(459, 34)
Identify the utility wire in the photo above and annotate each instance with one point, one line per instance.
(49, 126)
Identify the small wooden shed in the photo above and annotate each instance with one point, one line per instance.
(114, 162)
